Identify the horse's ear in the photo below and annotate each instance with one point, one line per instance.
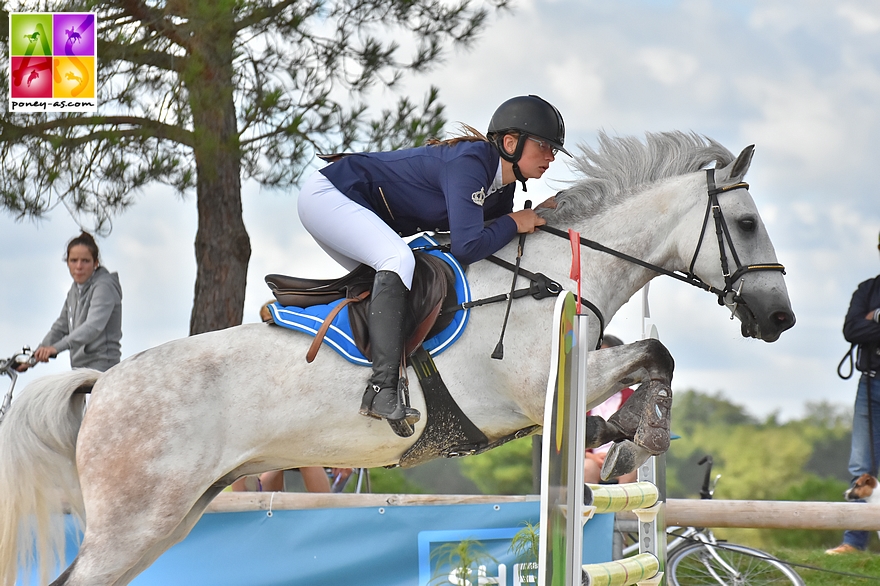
(737, 170)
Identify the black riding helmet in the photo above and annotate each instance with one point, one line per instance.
(529, 116)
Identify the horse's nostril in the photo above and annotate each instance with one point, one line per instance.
(784, 319)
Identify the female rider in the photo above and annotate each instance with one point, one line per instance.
(359, 207)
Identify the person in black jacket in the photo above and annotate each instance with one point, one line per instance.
(360, 207)
(862, 327)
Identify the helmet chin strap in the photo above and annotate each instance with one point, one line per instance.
(514, 157)
(519, 176)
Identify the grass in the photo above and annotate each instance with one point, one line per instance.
(848, 567)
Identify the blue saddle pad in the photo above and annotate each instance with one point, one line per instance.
(339, 336)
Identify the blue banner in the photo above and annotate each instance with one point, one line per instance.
(373, 546)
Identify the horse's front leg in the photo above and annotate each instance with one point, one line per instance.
(641, 427)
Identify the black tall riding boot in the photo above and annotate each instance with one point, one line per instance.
(383, 398)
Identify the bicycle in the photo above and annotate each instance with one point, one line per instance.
(694, 557)
(9, 367)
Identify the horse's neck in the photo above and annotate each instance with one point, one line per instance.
(657, 225)
(646, 226)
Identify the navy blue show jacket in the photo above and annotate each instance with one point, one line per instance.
(436, 187)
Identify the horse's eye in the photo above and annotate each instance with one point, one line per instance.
(747, 224)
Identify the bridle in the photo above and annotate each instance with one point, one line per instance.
(726, 296)
(541, 286)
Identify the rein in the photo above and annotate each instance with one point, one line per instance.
(542, 286)
(722, 232)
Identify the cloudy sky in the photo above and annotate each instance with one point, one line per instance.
(799, 79)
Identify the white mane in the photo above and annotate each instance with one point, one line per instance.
(623, 166)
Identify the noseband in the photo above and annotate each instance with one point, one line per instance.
(721, 231)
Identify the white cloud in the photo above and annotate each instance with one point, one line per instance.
(864, 19)
(668, 66)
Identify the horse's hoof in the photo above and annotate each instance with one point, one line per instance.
(623, 458)
(645, 415)
(653, 431)
(599, 432)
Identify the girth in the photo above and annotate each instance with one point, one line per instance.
(449, 433)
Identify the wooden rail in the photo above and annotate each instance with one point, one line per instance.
(773, 514)
(683, 512)
(233, 502)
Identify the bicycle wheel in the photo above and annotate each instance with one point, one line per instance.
(695, 565)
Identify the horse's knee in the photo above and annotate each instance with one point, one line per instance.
(661, 359)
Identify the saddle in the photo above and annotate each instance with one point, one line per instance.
(431, 307)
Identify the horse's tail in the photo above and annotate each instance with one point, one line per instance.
(38, 474)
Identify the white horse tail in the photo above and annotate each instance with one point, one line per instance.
(38, 475)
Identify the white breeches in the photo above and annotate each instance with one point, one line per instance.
(350, 233)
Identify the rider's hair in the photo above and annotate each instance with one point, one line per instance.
(84, 239)
(467, 134)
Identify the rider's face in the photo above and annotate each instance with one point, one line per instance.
(80, 263)
(536, 156)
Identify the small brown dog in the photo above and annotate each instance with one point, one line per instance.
(864, 488)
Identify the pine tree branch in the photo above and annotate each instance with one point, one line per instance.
(146, 127)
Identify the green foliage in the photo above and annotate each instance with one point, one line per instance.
(825, 415)
(505, 470)
(389, 481)
(756, 460)
(691, 408)
(812, 488)
(525, 545)
(798, 460)
(464, 557)
(758, 463)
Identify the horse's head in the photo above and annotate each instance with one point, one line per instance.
(734, 255)
(656, 204)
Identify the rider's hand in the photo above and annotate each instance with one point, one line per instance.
(526, 221)
(44, 353)
(22, 367)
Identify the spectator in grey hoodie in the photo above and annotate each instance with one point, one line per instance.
(90, 324)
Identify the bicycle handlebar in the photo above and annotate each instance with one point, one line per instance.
(9, 367)
(706, 491)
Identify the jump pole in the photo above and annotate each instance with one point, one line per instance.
(563, 494)
(652, 530)
(562, 464)
(560, 543)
